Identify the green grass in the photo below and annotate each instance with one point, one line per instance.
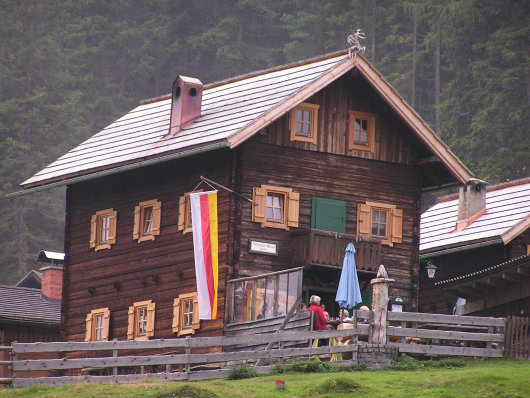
(468, 378)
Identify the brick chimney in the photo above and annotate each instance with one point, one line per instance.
(186, 99)
(471, 203)
(52, 281)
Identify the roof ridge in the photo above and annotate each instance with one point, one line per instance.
(254, 73)
(490, 188)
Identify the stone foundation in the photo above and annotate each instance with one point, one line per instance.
(376, 356)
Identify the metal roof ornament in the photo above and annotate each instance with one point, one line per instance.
(355, 42)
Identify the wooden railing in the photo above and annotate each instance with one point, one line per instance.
(325, 248)
(429, 334)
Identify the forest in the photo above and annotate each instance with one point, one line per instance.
(68, 68)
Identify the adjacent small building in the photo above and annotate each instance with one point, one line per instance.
(479, 240)
(31, 310)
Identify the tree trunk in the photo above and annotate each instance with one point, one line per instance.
(437, 80)
(379, 310)
(414, 49)
(374, 6)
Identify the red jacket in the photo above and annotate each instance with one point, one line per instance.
(320, 318)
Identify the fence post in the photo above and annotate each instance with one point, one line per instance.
(13, 356)
(380, 306)
(115, 355)
(188, 352)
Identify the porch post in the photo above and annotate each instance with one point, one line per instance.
(379, 306)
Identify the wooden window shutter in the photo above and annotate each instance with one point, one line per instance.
(195, 322)
(182, 213)
(363, 219)
(293, 209)
(397, 225)
(150, 331)
(112, 232)
(157, 213)
(176, 316)
(93, 229)
(130, 324)
(88, 332)
(136, 228)
(259, 199)
(106, 324)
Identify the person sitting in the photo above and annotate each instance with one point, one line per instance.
(344, 315)
(326, 314)
(320, 318)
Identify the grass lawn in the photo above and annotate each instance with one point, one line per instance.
(479, 378)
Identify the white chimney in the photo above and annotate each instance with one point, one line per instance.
(471, 203)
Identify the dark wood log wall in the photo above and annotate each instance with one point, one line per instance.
(394, 141)
(330, 170)
(159, 270)
(337, 177)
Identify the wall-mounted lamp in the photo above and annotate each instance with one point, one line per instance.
(431, 269)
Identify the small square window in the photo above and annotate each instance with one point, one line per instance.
(184, 223)
(186, 314)
(97, 325)
(147, 220)
(380, 220)
(141, 324)
(103, 229)
(361, 133)
(304, 123)
(275, 207)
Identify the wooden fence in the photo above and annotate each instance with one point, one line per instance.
(116, 361)
(517, 341)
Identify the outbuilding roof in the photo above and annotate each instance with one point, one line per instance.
(507, 216)
(232, 111)
(26, 305)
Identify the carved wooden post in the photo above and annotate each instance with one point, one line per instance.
(379, 306)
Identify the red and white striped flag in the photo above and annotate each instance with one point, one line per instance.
(205, 247)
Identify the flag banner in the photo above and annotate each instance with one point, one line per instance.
(205, 247)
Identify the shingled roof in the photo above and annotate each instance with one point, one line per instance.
(507, 216)
(25, 305)
(232, 111)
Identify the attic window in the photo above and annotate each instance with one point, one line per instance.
(361, 131)
(304, 123)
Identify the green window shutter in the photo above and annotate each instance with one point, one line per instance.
(328, 215)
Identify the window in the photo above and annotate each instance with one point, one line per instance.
(103, 229)
(141, 323)
(379, 220)
(97, 325)
(361, 133)
(186, 314)
(275, 207)
(185, 212)
(147, 220)
(304, 123)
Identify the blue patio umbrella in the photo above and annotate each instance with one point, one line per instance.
(348, 292)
